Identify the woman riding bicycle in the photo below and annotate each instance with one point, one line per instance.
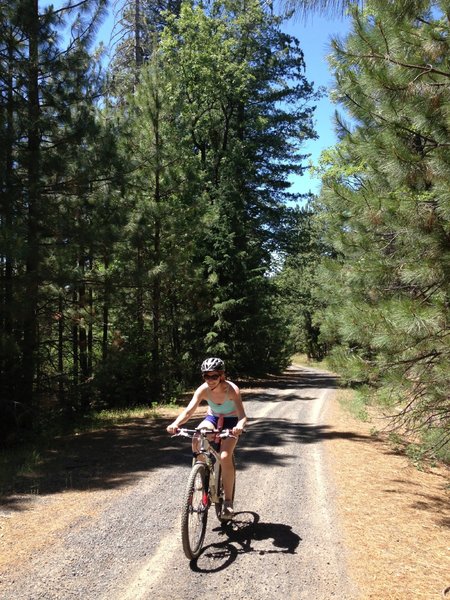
(225, 411)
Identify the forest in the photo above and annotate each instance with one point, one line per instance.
(147, 221)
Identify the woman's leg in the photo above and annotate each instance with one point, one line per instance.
(226, 456)
(196, 439)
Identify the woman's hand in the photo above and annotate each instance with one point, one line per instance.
(172, 428)
(238, 429)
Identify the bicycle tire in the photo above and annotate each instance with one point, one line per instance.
(194, 514)
(218, 505)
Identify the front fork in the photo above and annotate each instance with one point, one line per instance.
(212, 476)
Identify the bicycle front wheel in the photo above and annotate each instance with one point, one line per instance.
(195, 511)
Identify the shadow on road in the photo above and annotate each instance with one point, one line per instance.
(245, 533)
(293, 378)
(115, 457)
(263, 437)
(104, 459)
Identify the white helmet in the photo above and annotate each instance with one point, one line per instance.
(212, 364)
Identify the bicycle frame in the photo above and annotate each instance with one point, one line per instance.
(203, 489)
(209, 452)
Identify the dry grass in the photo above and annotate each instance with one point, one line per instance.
(395, 518)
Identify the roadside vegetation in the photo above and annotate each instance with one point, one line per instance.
(27, 458)
(143, 200)
(422, 450)
(375, 281)
(146, 218)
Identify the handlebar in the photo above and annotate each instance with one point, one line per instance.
(222, 433)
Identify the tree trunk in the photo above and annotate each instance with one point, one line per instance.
(82, 333)
(7, 198)
(61, 394)
(105, 325)
(75, 360)
(156, 295)
(137, 38)
(90, 340)
(33, 203)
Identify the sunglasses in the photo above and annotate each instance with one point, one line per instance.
(213, 377)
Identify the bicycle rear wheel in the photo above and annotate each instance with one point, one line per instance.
(195, 511)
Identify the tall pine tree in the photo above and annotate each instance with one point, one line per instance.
(46, 99)
(247, 106)
(385, 208)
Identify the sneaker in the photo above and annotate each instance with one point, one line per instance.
(227, 510)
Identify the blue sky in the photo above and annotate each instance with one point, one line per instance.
(314, 36)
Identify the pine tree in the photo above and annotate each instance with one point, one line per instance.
(385, 207)
(246, 105)
(297, 282)
(321, 6)
(135, 38)
(46, 100)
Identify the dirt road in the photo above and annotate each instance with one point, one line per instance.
(119, 536)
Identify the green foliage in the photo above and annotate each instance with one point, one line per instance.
(358, 402)
(296, 283)
(246, 142)
(139, 226)
(47, 125)
(384, 208)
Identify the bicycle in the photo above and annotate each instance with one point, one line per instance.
(204, 488)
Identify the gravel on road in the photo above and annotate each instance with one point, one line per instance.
(120, 537)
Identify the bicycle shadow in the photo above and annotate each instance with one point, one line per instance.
(245, 533)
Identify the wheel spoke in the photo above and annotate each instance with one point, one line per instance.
(195, 512)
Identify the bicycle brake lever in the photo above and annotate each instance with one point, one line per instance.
(180, 432)
(227, 433)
